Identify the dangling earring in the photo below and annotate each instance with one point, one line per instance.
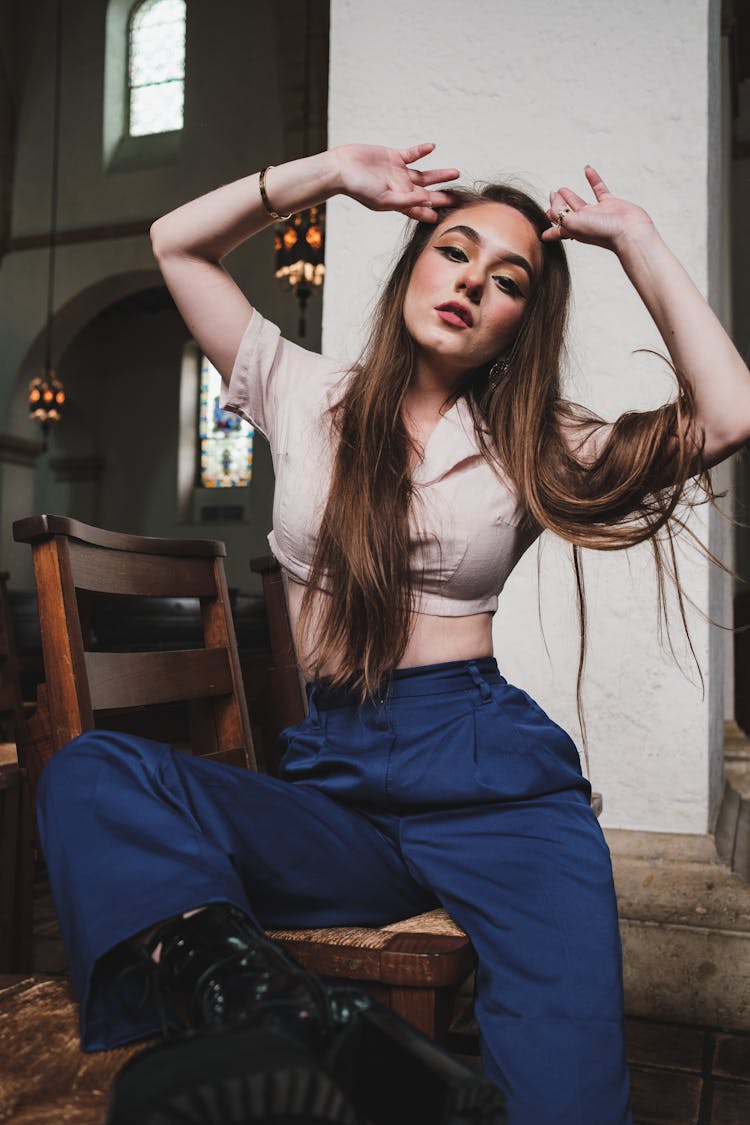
(498, 370)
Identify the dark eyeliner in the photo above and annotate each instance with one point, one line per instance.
(447, 251)
(508, 285)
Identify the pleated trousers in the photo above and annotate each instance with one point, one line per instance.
(454, 788)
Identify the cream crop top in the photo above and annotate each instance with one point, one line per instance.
(469, 531)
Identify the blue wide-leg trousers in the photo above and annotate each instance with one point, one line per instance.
(455, 788)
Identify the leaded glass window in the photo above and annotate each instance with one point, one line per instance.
(156, 67)
(226, 439)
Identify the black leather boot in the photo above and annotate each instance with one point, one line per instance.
(217, 972)
(242, 1025)
(252, 1037)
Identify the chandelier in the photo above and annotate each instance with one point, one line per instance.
(46, 400)
(300, 245)
(300, 239)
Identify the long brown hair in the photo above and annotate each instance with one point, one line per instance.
(607, 496)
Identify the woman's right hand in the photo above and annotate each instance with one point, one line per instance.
(380, 178)
(190, 241)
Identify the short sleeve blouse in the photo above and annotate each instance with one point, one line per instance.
(468, 528)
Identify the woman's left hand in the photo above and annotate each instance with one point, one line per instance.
(607, 222)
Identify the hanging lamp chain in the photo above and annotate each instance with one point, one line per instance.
(46, 392)
(306, 105)
(54, 190)
(300, 239)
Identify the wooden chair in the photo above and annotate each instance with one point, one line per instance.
(416, 965)
(126, 690)
(86, 688)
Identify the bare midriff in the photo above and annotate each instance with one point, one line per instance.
(433, 640)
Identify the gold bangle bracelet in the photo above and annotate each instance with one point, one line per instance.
(269, 209)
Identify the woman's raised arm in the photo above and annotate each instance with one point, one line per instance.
(190, 242)
(693, 335)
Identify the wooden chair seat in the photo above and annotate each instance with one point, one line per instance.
(415, 965)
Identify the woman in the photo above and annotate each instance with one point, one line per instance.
(407, 488)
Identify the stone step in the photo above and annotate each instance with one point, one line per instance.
(685, 927)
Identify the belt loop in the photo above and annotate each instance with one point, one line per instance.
(479, 680)
(312, 709)
(383, 703)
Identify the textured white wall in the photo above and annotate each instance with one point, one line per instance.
(536, 90)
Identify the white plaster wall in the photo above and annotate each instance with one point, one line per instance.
(536, 90)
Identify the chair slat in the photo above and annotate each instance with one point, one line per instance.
(137, 679)
(62, 642)
(146, 575)
(35, 529)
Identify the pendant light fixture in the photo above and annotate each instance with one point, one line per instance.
(46, 392)
(300, 239)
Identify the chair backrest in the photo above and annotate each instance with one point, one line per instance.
(73, 563)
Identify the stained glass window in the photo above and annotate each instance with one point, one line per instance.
(156, 67)
(226, 439)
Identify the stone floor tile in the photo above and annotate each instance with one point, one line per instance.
(664, 1045)
(731, 1103)
(732, 1056)
(662, 1097)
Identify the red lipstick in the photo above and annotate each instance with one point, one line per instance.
(456, 314)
